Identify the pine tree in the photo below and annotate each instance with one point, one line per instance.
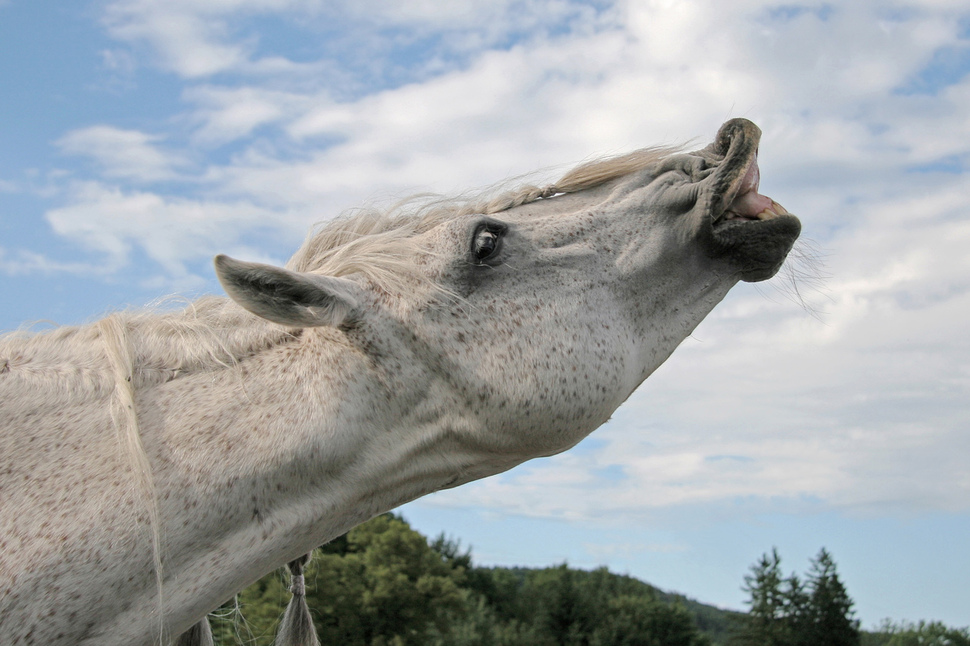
(797, 612)
(765, 624)
(563, 609)
(787, 612)
(830, 607)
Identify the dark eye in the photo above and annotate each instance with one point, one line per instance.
(486, 241)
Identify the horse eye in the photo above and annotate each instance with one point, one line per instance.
(486, 242)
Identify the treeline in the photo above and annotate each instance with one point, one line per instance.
(384, 584)
(816, 610)
(923, 633)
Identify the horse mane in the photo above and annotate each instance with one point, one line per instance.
(160, 345)
(379, 244)
(214, 332)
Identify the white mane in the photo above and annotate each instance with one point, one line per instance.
(214, 331)
(379, 245)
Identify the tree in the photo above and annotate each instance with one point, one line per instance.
(562, 610)
(568, 607)
(481, 626)
(450, 551)
(830, 614)
(797, 612)
(640, 620)
(766, 622)
(390, 587)
(786, 612)
(380, 585)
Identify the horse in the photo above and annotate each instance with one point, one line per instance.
(154, 463)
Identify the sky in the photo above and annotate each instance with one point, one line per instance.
(139, 138)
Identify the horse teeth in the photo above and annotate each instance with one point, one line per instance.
(772, 212)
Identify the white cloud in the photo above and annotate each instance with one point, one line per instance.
(229, 114)
(119, 61)
(185, 40)
(198, 39)
(127, 154)
(640, 76)
(22, 262)
(172, 232)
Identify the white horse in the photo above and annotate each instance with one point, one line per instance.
(154, 464)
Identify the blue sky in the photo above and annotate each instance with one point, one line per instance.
(139, 138)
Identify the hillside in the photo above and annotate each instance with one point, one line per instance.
(385, 584)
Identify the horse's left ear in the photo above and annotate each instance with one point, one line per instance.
(287, 297)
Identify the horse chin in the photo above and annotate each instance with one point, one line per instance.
(756, 249)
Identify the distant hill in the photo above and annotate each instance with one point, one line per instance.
(385, 584)
(712, 621)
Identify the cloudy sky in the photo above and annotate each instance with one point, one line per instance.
(138, 138)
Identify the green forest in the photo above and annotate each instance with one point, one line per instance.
(385, 584)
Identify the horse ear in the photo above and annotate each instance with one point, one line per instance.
(287, 297)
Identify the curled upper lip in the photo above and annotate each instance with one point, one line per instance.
(748, 230)
(740, 176)
(748, 203)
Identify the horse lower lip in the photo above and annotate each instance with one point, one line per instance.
(754, 246)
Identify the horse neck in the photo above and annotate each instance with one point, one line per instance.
(256, 456)
(257, 464)
(74, 483)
